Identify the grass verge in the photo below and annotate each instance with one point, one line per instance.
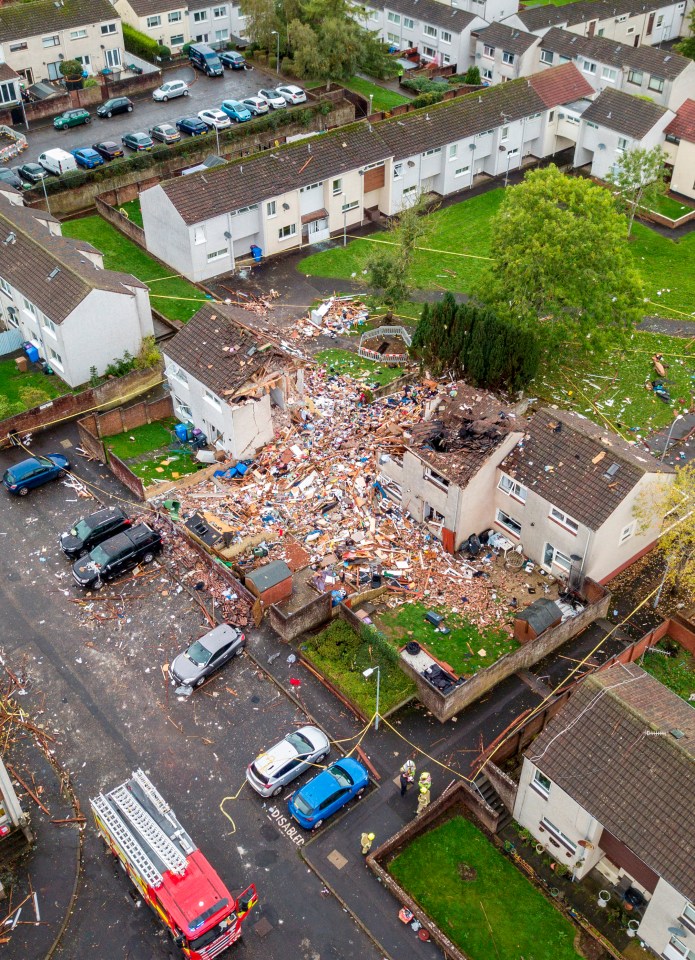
(677, 671)
(479, 899)
(152, 438)
(22, 391)
(669, 207)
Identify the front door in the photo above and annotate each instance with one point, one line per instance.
(54, 70)
(556, 562)
(86, 62)
(112, 58)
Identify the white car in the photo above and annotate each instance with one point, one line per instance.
(273, 97)
(292, 93)
(215, 119)
(257, 105)
(170, 89)
(270, 772)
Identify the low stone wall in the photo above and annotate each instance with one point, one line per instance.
(506, 787)
(313, 614)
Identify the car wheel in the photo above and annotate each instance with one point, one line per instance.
(148, 558)
(359, 793)
(88, 119)
(165, 99)
(276, 792)
(109, 114)
(24, 491)
(130, 109)
(98, 584)
(239, 650)
(319, 823)
(185, 93)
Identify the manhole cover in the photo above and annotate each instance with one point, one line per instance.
(262, 928)
(337, 859)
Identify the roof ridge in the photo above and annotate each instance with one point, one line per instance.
(47, 250)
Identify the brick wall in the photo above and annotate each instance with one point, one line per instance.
(120, 221)
(313, 614)
(126, 476)
(128, 418)
(89, 441)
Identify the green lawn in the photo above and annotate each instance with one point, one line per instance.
(150, 436)
(479, 899)
(669, 207)
(383, 99)
(21, 391)
(176, 298)
(167, 466)
(461, 648)
(347, 363)
(667, 270)
(676, 672)
(132, 208)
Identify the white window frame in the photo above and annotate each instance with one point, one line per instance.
(199, 235)
(517, 491)
(508, 57)
(554, 560)
(350, 205)
(687, 916)
(547, 56)
(632, 74)
(107, 28)
(436, 478)
(177, 40)
(219, 13)
(175, 16)
(445, 36)
(609, 74)
(212, 399)
(183, 410)
(623, 144)
(337, 186)
(564, 520)
(271, 209)
(78, 34)
(218, 254)
(488, 52)
(588, 66)
(49, 326)
(656, 84)
(408, 23)
(398, 171)
(222, 34)
(453, 151)
(486, 73)
(200, 16)
(154, 21)
(430, 31)
(508, 523)
(393, 17)
(504, 133)
(51, 41)
(627, 532)
(55, 358)
(537, 784)
(287, 232)
(393, 38)
(559, 835)
(178, 374)
(431, 152)
(462, 171)
(5, 287)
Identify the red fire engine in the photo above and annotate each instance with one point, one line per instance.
(170, 872)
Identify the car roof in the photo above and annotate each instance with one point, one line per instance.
(99, 516)
(218, 636)
(23, 467)
(139, 533)
(269, 761)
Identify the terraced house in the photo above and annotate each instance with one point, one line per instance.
(36, 37)
(216, 23)
(165, 21)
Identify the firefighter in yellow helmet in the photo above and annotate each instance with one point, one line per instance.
(367, 839)
(424, 786)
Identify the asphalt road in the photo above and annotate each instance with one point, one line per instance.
(205, 92)
(100, 690)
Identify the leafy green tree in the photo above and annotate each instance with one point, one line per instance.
(262, 17)
(561, 258)
(686, 47)
(71, 69)
(472, 76)
(389, 267)
(672, 503)
(638, 180)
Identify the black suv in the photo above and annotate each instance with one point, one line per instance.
(91, 530)
(116, 105)
(113, 557)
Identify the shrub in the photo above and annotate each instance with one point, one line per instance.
(163, 52)
(472, 76)
(71, 69)
(427, 99)
(149, 355)
(185, 49)
(121, 366)
(139, 43)
(90, 82)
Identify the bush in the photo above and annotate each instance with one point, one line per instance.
(149, 355)
(139, 43)
(427, 99)
(90, 82)
(423, 85)
(163, 52)
(472, 76)
(33, 396)
(71, 69)
(121, 365)
(185, 49)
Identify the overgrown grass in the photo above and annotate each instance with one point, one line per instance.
(677, 672)
(21, 391)
(132, 208)
(342, 655)
(175, 297)
(466, 648)
(347, 363)
(491, 910)
(383, 99)
(668, 207)
(148, 437)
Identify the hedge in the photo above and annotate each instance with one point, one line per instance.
(140, 44)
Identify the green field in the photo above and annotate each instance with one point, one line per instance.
(669, 207)
(21, 391)
(155, 438)
(677, 672)
(479, 899)
(132, 208)
(175, 297)
(383, 99)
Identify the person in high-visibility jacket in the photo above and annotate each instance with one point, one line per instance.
(407, 775)
(424, 786)
(367, 839)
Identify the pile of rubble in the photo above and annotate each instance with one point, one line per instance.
(333, 317)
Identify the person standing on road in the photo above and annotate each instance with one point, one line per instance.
(367, 839)
(407, 775)
(424, 786)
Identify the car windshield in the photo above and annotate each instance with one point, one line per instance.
(342, 776)
(301, 805)
(82, 529)
(199, 654)
(99, 556)
(299, 742)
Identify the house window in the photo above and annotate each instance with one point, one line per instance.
(541, 784)
(5, 287)
(594, 126)
(218, 254)
(588, 66)
(312, 186)
(513, 152)
(408, 190)
(49, 325)
(622, 144)
(408, 24)
(432, 516)
(393, 17)
(486, 73)
(77, 34)
(352, 205)
(567, 522)
(462, 171)
(659, 19)
(681, 948)
(271, 208)
(8, 94)
(29, 307)
(608, 74)
(436, 478)
(551, 557)
(108, 28)
(183, 411)
(429, 52)
(176, 40)
(53, 41)
(219, 12)
(547, 56)
(512, 488)
(446, 36)
(198, 235)
(656, 84)
(484, 133)
(509, 523)
(175, 16)
(635, 76)
(397, 171)
(507, 57)
(178, 373)
(559, 835)
(200, 16)
(453, 150)
(429, 31)
(155, 21)
(488, 52)
(688, 916)
(504, 135)
(56, 358)
(22, 45)
(393, 38)
(213, 399)
(222, 34)
(630, 30)
(432, 151)
(627, 532)
(284, 233)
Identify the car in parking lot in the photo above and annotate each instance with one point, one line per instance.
(114, 106)
(292, 93)
(327, 793)
(87, 157)
(165, 133)
(273, 769)
(137, 141)
(10, 177)
(31, 172)
(207, 654)
(91, 530)
(274, 99)
(257, 106)
(215, 119)
(236, 110)
(116, 555)
(233, 60)
(170, 89)
(71, 118)
(22, 477)
(194, 126)
(108, 149)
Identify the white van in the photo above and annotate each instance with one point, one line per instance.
(57, 161)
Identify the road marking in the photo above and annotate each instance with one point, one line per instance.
(284, 825)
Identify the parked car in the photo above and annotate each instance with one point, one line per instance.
(165, 133)
(115, 105)
(323, 796)
(34, 472)
(215, 119)
(116, 555)
(275, 99)
(233, 60)
(292, 93)
(87, 157)
(170, 89)
(272, 770)
(257, 106)
(71, 118)
(206, 59)
(91, 530)
(191, 125)
(207, 654)
(108, 149)
(31, 172)
(10, 177)
(57, 161)
(236, 110)
(137, 141)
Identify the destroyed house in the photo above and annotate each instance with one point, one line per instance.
(225, 379)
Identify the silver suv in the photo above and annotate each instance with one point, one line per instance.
(271, 771)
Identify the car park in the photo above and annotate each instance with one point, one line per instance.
(108, 149)
(233, 60)
(11, 178)
(273, 769)
(292, 93)
(236, 110)
(274, 99)
(193, 126)
(114, 106)
(87, 157)
(57, 161)
(137, 141)
(215, 119)
(22, 477)
(108, 560)
(206, 655)
(257, 106)
(170, 90)
(91, 530)
(31, 172)
(71, 118)
(165, 133)
(327, 793)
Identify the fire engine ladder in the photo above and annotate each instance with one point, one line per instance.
(159, 803)
(149, 830)
(127, 841)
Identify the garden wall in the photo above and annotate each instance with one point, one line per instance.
(290, 624)
(126, 476)
(120, 221)
(98, 425)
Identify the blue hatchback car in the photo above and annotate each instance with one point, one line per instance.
(236, 110)
(87, 157)
(323, 796)
(34, 472)
(194, 126)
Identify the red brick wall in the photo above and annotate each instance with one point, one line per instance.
(276, 593)
(126, 476)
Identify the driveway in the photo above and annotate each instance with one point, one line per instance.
(204, 92)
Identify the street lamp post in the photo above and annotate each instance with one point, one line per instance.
(45, 194)
(275, 33)
(367, 673)
(668, 438)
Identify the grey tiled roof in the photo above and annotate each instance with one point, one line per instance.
(506, 38)
(624, 113)
(428, 11)
(148, 8)
(575, 465)
(21, 20)
(660, 63)
(583, 11)
(612, 751)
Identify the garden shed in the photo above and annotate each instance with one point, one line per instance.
(270, 583)
(535, 619)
